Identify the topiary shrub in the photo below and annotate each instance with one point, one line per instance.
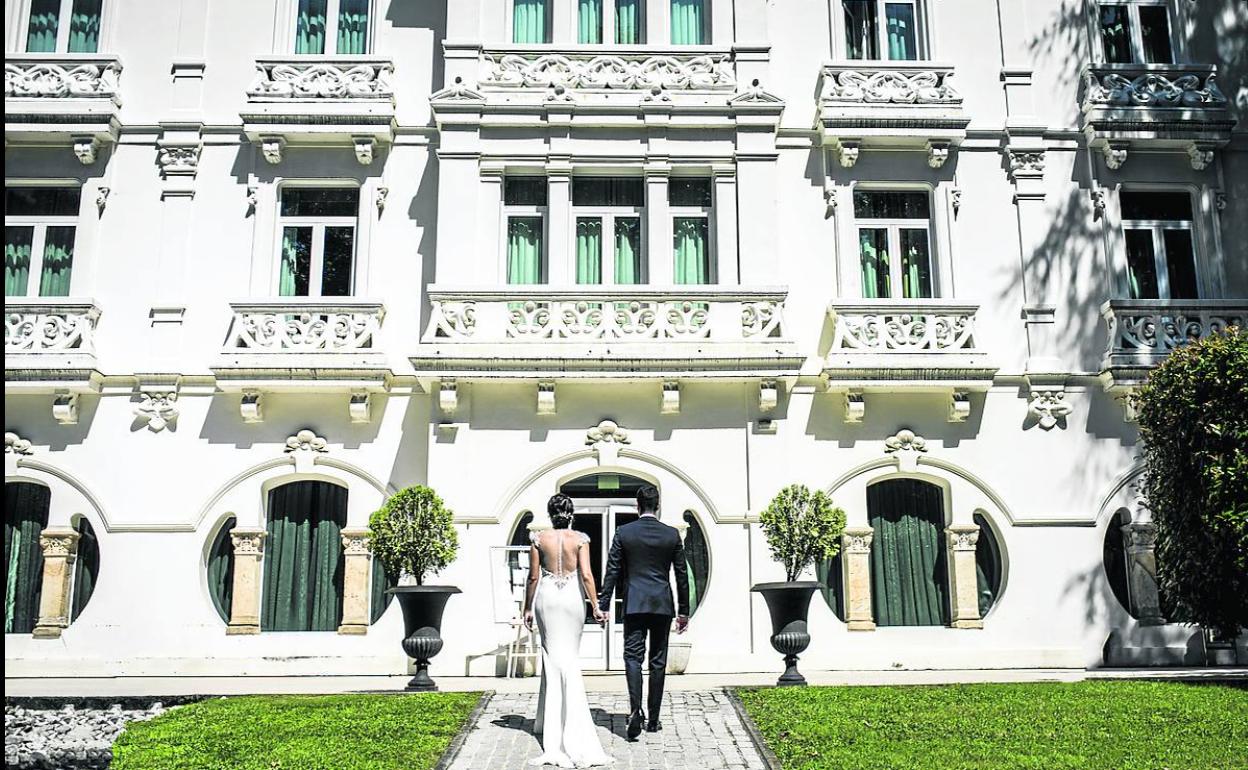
(1193, 415)
(802, 527)
(413, 534)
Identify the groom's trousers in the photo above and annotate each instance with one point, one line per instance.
(637, 627)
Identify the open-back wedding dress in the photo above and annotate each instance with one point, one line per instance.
(567, 731)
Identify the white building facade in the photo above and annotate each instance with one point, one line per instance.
(268, 262)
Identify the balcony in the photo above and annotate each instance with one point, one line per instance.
(320, 100)
(607, 332)
(1155, 106)
(1142, 332)
(70, 99)
(49, 345)
(906, 105)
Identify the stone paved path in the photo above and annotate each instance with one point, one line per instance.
(701, 731)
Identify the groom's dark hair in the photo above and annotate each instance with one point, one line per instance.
(648, 499)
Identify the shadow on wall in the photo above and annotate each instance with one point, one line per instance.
(424, 15)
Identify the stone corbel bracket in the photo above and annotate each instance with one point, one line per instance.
(157, 408)
(360, 407)
(272, 148)
(669, 400)
(855, 406)
(768, 396)
(448, 397)
(1048, 406)
(65, 408)
(546, 399)
(959, 406)
(251, 407)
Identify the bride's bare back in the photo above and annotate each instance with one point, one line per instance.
(559, 553)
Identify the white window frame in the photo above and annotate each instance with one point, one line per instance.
(318, 224)
(62, 27)
(288, 30)
(708, 23)
(510, 25)
(1158, 228)
(608, 22)
(608, 215)
(894, 226)
(525, 210)
(1136, 31)
(39, 238)
(922, 51)
(706, 212)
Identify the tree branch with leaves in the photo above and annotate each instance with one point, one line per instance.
(802, 527)
(413, 534)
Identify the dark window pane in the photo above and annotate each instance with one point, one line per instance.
(296, 262)
(320, 201)
(45, 17)
(861, 33)
(901, 41)
(1141, 266)
(1180, 263)
(339, 252)
(689, 191)
(84, 26)
(1155, 29)
(916, 265)
(1168, 206)
(873, 249)
(58, 262)
(891, 205)
(1116, 34)
(41, 201)
(608, 191)
(17, 244)
(524, 191)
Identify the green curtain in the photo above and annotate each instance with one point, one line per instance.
(45, 17)
(697, 561)
(296, 262)
(901, 44)
(589, 21)
(303, 558)
(688, 22)
(379, 600)
(84, 26)
(25, 517)
(873, 250)
(628, 267)
(310, 27)
(529, 21)
(524, 250)
(693, 264)
(829, 573)
(17, 260)
(628, 21)
(86, 568)
(221, 570)
(58, 262)
(987, 566)
(916, 269)
(589, 250)
(908, 583)
(353, 26)
(1115, 37)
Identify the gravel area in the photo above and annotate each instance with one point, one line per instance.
(67, 736)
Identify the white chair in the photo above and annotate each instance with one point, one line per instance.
(524, 645)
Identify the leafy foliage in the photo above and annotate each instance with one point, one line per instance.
(802, 527)
(1193, 414)
(1092, 725)
(413, 534)
(298, 732)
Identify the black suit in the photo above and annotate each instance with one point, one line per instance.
(643, 554)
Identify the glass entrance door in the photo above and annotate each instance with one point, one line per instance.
(602, 648)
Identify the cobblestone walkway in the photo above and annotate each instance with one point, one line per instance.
(701, 731)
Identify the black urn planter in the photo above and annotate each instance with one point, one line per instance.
(789, 604)
(422, 628)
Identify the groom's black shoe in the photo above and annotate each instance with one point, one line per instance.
(634, 724)
(653, 726)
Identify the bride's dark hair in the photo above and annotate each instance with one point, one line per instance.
(560, 510)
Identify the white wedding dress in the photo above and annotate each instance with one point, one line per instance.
(563, 721)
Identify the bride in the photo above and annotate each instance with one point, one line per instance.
(554, 596)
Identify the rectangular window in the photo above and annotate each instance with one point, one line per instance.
(894, 243)
(630, 22)
(530, 21)
(689, 22)
(524, 203)
(40, 224)
(1157, 231)
(343, 21)
(690, 201)
(64, 26)
(318, 241)
(1136, 32)
(881, 29)
(609, 212)
(589, 21)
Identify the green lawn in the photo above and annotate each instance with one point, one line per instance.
(1094, 725)
(298, 732)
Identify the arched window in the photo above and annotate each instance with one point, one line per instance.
(86, 567)
(303, 557)
(988, 565)
(382, 582)
(697, 561)
(221, 570)
(25, 517)
(1115, 558)
(830, 573)
(909, 584)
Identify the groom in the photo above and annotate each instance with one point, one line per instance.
(643, 553)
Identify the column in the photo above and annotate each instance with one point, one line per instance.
(248, 558)
(725, 212)
(490, 236)
(962, 541)
(856, 563)
(356, 580)
(658, 226)
(1139, 540)
(559, 225)
(60, 551)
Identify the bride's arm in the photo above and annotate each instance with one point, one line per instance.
(587, 575)
(535, 573)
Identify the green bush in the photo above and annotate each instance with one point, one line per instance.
(1193, 414)
(802, 527)
(413, 534)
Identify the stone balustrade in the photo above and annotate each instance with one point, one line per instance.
(1187, 86)
(38, 325)
(888, 83)
(62, 76)
(304, 325)
(1142, 332)
(322, 78)
(623, 70)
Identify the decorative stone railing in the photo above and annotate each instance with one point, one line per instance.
(591, 313)
(895, 83)
(322, 77)
(61, 76)
(1152, 86)
(1142, 332)
(672, 70)
(320, 325)
(906, 326)
(40, 325)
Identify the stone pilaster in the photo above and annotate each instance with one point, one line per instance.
(1139, 540)
(356, 582)
(60, 551)
(856, 561)
(962, 541)
(248, 560)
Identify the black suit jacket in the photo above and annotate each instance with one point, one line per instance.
(642, 555)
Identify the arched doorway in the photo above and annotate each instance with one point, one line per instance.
(909, 574)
